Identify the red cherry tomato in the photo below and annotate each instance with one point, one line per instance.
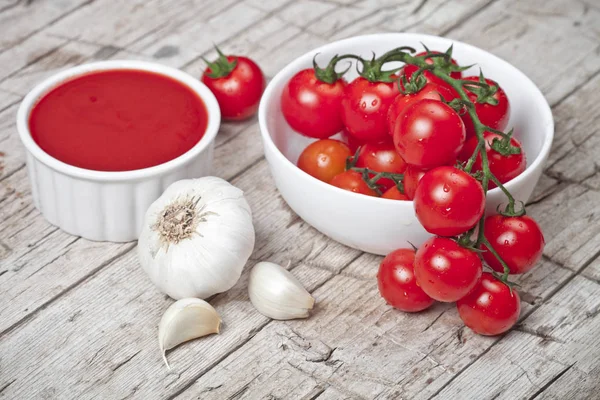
(352, 142)
(448, 201)
(491, 308)
(445, 270)
(381, 157)
(502, 167)
(411, 69)
(519, 241)
(237, 83)
(353, 182)
(412, 177)
(313, 107)
(365, 106)
(430, 91)
(397, 284)
(324, 159)
(429, 133)
(494, 116)
(394, 194)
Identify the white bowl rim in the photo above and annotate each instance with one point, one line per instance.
(209, 100)
(297, 65)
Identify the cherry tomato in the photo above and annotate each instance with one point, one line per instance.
(504, 168)
(519, 241)
(445, 270)
(353, 182)
(397, 284)
(448, 201)
(237, 83)
(352, 142)
(324, 159)
(313, 107)
(412, 177)
(402, 101)
(411, 69)
(429, 133)
(494, 116)
(381, 157)
(491, 308)
(365, 106)
(394, 194)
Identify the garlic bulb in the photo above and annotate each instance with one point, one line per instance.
(184, 320)
(196, 238)
(277, 294)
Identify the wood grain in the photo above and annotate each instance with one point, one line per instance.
(78, 319)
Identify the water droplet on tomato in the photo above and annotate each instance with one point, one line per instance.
(446, 188)
(363, 105)
(506, 242)
(374, 103)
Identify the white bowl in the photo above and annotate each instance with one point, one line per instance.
(100, 205)
(378, 225)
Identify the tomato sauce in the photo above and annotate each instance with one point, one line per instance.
(118, 120)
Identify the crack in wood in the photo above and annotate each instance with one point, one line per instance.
(3, 388)
(539, 332)
(55, 258)
(434, 320)
(120, 364)
(551, 381)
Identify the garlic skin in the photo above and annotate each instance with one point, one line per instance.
(277, 294)
(196, 238)
(184, 320)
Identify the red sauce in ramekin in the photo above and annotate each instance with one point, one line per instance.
(118, 120)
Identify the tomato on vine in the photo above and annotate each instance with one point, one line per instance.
(237, 83)
(430, 91)
(448, 201)
(324, 159)
(365, 106)
(410, 69)
(491, 308)
(311, 101)
(381, 157)
(353, 181)
(394, 194)
(429, 133)
(445, 270)
(517, 240)
(491, 105)
(503, 167)
(397, 283)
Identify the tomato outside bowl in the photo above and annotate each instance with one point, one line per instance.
(107, 205)
(377, 225)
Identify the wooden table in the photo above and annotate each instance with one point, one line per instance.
(78, 318)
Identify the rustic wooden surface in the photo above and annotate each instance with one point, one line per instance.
(78, 319)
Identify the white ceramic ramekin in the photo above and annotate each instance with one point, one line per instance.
(109, 206)
(378, 225)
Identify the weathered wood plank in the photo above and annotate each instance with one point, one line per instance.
(555, 339)
(27, 53)
(516, 31)
(7, 99)
(574, 155)
(21, 19)
(176, 45)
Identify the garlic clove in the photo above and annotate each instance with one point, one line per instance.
(184, 320)
(277, 294)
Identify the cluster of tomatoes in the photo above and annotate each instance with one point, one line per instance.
(427, 134)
